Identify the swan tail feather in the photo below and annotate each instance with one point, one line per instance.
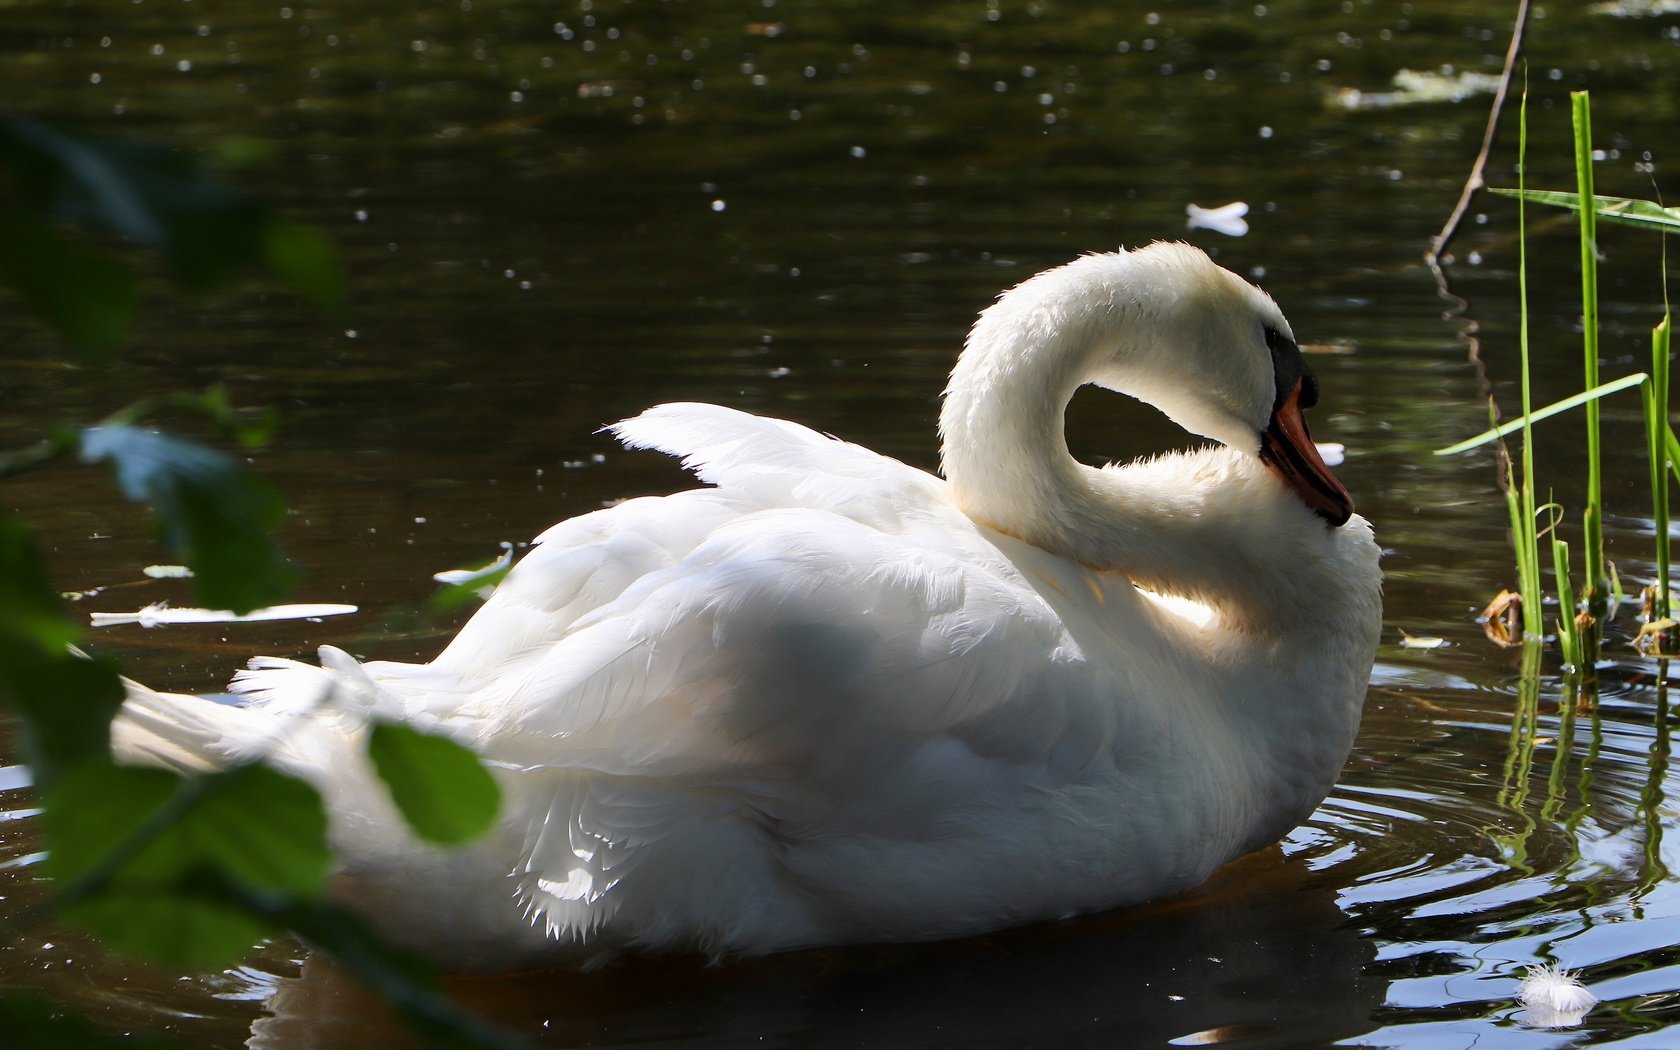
(726, 446)
(176, 731)
(297, 717)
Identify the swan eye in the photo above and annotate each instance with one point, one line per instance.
(1309, 388)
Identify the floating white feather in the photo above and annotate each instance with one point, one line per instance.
(158, 615)
(1553, 997)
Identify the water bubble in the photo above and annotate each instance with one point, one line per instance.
(858, 152)
(1265, 131)
(719, 205)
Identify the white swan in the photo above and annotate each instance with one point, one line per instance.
(835, 699)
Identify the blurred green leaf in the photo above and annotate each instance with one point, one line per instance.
(252, 428)
(261, 827)
(443, 791)
(212, 512)
(169, 929)
(469, 590)
(151, 195)
(244, 152)
(304, 258)
(30, 1019)
(89, 299)
(65, 704)
(141, 855)
(1626, 210)
(30, 607)
(160, 198)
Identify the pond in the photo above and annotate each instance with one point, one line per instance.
(554, 215)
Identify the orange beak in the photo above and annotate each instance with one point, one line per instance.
(1288, 450)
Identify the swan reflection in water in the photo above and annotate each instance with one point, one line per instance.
(1259, 956)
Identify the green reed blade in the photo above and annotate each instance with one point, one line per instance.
(1581, 118)
(1569, 637)
(1555, 408)
(1628, 211)
(1656, 416)
(1528, 553)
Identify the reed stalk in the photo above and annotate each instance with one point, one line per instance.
(1569, 635)
(1597, 590)
(1520, 499)
(1656, 436)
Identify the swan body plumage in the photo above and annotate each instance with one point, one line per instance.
(831, 698)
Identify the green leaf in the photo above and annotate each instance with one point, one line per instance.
(213, 513)
(87, 298)
(1573, 401)
(148, 829)
(469, 589)
(252, 428)
(443, 791)
(164, 199)
(65, 704)
(143, 856)
(30, 609)
(148, 194)
(28, 1019)
(170, 929)
(304, 258)
(1626, 210)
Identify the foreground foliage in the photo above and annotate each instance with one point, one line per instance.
(187, 870)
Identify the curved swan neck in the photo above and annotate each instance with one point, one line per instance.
(1003, 447)
(1212, 525)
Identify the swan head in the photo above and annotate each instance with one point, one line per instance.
(1217, 356)
(1163, 324)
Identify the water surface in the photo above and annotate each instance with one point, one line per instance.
(555, 215)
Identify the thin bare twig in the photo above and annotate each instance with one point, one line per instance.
(1475, 182)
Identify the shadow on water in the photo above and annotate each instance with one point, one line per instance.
(1261, 955)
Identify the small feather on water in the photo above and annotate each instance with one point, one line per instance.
(158, 615)
(1227, 218)
(1553, 997)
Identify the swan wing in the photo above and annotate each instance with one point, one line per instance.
(694, 682)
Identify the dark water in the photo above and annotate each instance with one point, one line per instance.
(555, 215)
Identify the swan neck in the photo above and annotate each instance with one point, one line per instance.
(1004, 450)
